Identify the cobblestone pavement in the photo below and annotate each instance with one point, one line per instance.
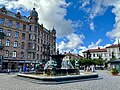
(109, 82)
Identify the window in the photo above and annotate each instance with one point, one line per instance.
(41, 41)
(1, 30)
(6, 53)
(30, 45)
(33, 55)
(105, 54)
(23, 35)
(41, 34)
(37, 56)
(30, 36)
(41, 49)
(35, 20)
(30, 28)
(2, 20)
(0, 41)
(17, 25)
(24, 27)
(22, 55)
(37, 48)
(35, 28)
(38, 40)
(41, 57)
(9, 33)
(38, 32)
(7, 43)
(93, 55)
(28, 55)
(34, 46)
(34, 37)
(14, 54)
(15, 44)
(16, 34)
(97, 55)
(10, 23)
(22, 45)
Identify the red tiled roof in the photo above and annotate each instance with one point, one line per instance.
(114, 46)
(71, 54)
(96, 50)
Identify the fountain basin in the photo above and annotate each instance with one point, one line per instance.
(59, 78)
(61, 72)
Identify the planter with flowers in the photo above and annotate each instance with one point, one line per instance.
(114, 71)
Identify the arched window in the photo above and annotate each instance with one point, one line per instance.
(23, 35)
(15, 44)
(2, 20)
(16, 34)
(22, 45)
(17, 25)
(14, 54)
(22, 55)
(10, 23)
(6, 53)
(7, 42)
(9, 33)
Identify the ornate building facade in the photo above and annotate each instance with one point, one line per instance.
(23, 40)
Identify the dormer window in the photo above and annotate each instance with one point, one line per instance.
(3, 9)
(18, 15)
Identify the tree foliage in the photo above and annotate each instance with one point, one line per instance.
(87, 62)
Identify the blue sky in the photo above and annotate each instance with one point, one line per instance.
(80, 24)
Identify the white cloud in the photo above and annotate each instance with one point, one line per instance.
(92, 26)
(98, 7)
(73, 43)
(77, 24)
(85, 3)
(91, 46)
(94, 9)
(115, 33)
(95, 45)
(117, 41)
(51, 13)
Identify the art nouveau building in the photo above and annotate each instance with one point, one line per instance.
(26, 41)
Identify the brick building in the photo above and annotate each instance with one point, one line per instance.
(23, 40)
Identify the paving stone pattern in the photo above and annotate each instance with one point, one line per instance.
(12, 82)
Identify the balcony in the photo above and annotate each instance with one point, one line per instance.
(1, 46)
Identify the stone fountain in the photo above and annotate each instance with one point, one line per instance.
(56, 66)
(57, 70)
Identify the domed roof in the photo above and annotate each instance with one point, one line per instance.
(53, 30)
(33, 13)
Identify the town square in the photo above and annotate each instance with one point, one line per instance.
(59, 44)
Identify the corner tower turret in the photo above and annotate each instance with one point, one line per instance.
(33, 16)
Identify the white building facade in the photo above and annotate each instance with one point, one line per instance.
(107, 53)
